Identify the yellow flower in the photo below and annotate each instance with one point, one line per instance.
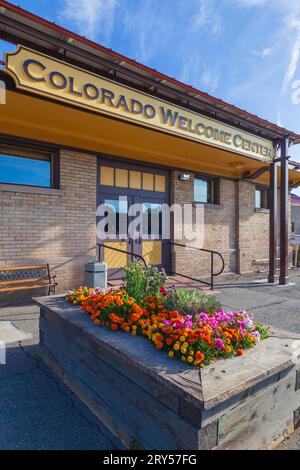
(176, 346)
(171, 354)
(190, 359)
(191, 353)
(185, 345)
(182, 338)
(127, 329)
(183, 358)
(228, 349)
(183, 350)
(133, 333)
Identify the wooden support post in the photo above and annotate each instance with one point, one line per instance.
(273, 278)
(284, 197)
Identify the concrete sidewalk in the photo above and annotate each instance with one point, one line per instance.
(36, 411)
(278, 306)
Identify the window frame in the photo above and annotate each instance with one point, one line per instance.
(35, 148)
(262, 190)
(215, 189)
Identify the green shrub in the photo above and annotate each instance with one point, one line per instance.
(191, 301)
(141, 280)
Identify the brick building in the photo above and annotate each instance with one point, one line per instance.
(84, 126)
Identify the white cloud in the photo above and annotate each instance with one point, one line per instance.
(266, 52)
(197, 74)
(209, 80)
(147, 23)
(292, 66)
(289, 33)
(91, 18)
(279, 119)
(207, 17)
(250, 3)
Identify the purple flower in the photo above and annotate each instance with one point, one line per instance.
(219, 344)
(257, 335)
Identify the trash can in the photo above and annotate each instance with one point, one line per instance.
(95, 274)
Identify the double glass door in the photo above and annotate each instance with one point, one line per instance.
(131, 224)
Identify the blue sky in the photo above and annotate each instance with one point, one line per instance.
(243, 51)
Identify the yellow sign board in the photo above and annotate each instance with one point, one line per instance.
(46, 76)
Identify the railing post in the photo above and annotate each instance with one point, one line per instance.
(212, 271)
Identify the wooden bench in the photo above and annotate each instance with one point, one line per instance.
(18, 278)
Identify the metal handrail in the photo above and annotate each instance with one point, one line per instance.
(122, 251)
(212, 273)
(212, 253)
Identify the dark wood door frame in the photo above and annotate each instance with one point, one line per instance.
(137, 195)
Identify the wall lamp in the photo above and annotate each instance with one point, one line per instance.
(184, 177)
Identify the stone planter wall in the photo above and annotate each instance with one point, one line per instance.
(140, 394)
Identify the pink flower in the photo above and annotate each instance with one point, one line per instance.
(219, 344)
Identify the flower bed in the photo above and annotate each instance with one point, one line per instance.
(195, 339)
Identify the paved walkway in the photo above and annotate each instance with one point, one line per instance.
(37, 412)
(278, 306)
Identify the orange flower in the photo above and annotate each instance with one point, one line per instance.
(240, 352)
(135, 317)
(97, 322)
(199, 356)
(169, 341)
(159, 345)
(114, 326)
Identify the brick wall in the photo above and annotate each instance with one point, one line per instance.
(252, 228)
(58, 229)
(233, 228)
(217, 225)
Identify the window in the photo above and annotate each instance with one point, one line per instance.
(152, 220)
(206, 190)
(132, 179)
(28, 167)
(118, 210)
(261, 198)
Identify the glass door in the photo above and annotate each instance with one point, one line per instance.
(112, 233)
(153, 245)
